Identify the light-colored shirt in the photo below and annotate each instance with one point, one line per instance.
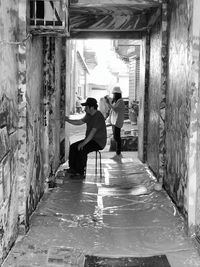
(117, 113)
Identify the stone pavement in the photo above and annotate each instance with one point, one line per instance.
(117, 215)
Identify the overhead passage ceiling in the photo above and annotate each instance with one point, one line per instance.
(107, 16)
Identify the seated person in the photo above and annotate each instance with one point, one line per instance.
(95, 138)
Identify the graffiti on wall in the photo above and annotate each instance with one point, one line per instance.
(34, 131)
(178, 102)
(48, 90)
(8, 114)
(51, 95)
(154, 97)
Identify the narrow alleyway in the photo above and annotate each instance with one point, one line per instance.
(119, 215)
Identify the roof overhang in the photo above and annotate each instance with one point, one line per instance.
(132, 17)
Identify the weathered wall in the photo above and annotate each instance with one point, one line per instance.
(143, 98)
(8, 124)
(157, 88)
(193, 189)
(42, 117)
(178, 103)
(51, 101)
(29, 118)
(30, 158)
(34, 126)
(154, 96)
(62, 99)
(170, 147)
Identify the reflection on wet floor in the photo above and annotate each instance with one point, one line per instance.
(117, 215)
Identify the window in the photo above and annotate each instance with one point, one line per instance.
(48, 14)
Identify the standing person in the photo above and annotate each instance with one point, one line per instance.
(117, 118)
(95, 138)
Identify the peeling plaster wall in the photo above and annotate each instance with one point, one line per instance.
(42, 121)
(157, 89)
(34, 126)
(143, 98)
(8, 125)
(194, 137)
(30, 158)
(154, 97)
(178, 103)
(172, 148)
(62, 99)
(29, 119)
(51, 102)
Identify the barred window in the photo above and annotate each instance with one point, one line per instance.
(47, 14)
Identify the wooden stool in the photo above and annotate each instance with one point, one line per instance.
(98, 152)
(96, 165)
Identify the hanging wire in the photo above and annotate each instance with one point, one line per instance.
(16, 43)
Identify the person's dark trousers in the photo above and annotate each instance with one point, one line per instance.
(78, 158)
(117, 138)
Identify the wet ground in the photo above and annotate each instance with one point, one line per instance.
(117, 215)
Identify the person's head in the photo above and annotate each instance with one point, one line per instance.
(90, 105)
(117, 93)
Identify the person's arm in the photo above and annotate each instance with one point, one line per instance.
(114, 106)
(74, 122)
(87, 139)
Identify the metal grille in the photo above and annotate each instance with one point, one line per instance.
(47, 14)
